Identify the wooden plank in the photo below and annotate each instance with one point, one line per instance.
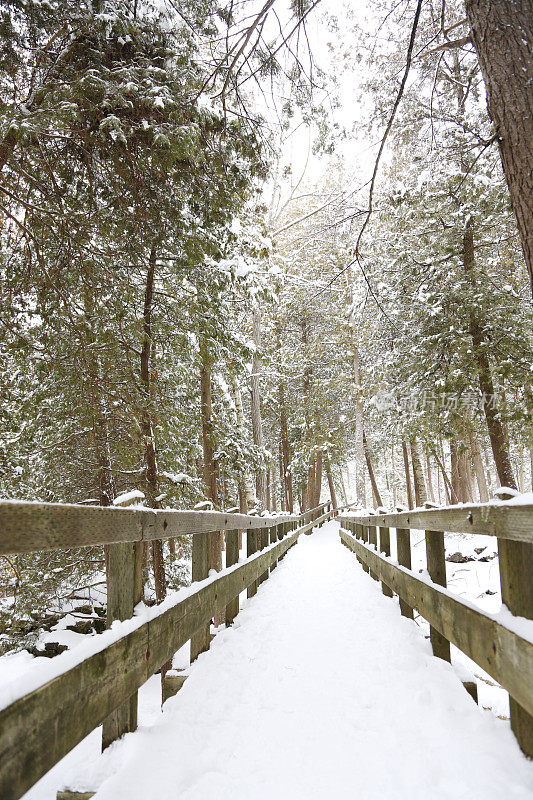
(201, 639)
(436, 564)
(505, 655)
(513, 522)
(172, 684)
(273, 537)
(403, 546)
(27, 527)
(121, 600)
(372, 539)
(264, 539)
(251, 548)
(471, 688)
(232, 557)
(516, 580)
(384, 547)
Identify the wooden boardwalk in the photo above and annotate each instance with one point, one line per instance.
(38, 726)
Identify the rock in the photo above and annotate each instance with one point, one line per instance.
(459, 558)
(51, 649)
(479, 550)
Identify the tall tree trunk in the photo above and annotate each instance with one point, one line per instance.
(499, 444)
(343, 487)
(285, 452)
(247, 483)
(310, 488)
(318, 478)
(529, 404)
(283, 492)
(375, 491)
(360, 492)
(502, 33)
(418, 474)
(274, 489)
(331, 483)
(431, 493)
(479, 469)
(209, 466)
(407, 477)
(393, 474)
(151, 477)
(257, 423)
(268, 489)
(463, 468)
(451, 497)
(457, 485)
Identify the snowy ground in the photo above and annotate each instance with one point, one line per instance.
(319, 690)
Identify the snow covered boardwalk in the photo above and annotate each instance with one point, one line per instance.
(320, 690)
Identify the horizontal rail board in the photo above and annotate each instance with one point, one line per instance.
(514, 522)
(37, 730)
(505, 655)
(27, 527)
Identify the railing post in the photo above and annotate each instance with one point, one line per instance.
(516, 570)
(364, 537)
(384, 546)
(124, 591)
(200, 570)
(264, 543)
(372, 540)
(437, 571)
(403, 545)
(251, 548)
(232, 557)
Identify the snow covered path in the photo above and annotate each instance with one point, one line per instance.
(320, 690)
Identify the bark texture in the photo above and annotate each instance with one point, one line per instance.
(375, 491)
(418, 474)
(257, 423)
(502, 33)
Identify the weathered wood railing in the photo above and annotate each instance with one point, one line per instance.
(495, 646)
(40, 727)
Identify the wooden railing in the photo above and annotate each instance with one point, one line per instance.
(504, 648)
(40, 727)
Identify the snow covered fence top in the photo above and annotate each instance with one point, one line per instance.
(27, 526)
(506, 520)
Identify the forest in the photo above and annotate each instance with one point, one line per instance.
(255, 256)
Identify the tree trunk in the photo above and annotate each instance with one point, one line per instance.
(210, 467)
(478, 468)
(498, 440)
(529, 404)
(151, 477)
(311, 480)
(463, 468)
(360, 492)
(418, 474)
(431, 493)
(456, 478)
(257, 423)
(331, 484)
(501, 32)
(450, 492)
(285, 452)
(247, 483)
(343, 487)
(375, 491)
(407, 477)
